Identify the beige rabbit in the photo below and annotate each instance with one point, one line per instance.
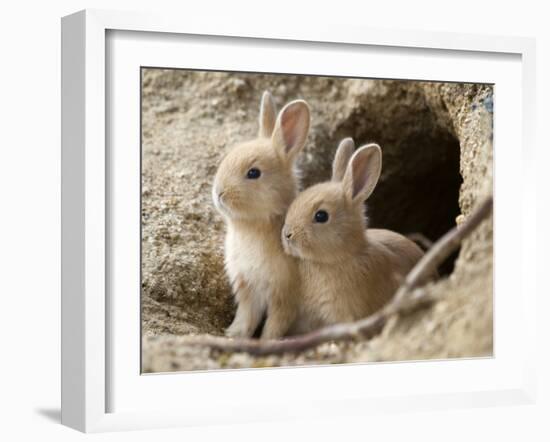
(346, 272)
(253, 187)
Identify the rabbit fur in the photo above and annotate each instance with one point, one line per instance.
(253, 187)
(347, 271)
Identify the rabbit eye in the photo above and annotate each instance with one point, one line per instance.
(253, 174)
(321, 216)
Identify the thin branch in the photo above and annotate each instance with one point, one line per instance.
(443, 248)
(405, 298)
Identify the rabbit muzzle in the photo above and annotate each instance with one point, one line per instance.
(287, 240)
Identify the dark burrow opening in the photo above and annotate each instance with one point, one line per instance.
(418, 191)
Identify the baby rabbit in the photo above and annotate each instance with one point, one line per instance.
(253, 187)
(347, 272)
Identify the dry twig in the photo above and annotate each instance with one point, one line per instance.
(405, 298)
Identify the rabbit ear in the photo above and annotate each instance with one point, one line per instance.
(363, 172)
(267, 115)
(291, 129)
(341, 158)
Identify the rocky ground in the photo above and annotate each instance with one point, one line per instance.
(438, 163)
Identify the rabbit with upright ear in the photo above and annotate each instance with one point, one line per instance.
(347, 271)
(253, 187)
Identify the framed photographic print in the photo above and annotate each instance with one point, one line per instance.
(251, 214)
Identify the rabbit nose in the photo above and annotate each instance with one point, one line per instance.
(287, 233)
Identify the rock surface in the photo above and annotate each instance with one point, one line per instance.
(438, 163)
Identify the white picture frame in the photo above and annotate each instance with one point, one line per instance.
(86, 206)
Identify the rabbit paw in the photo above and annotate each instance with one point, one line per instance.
(237, 329)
